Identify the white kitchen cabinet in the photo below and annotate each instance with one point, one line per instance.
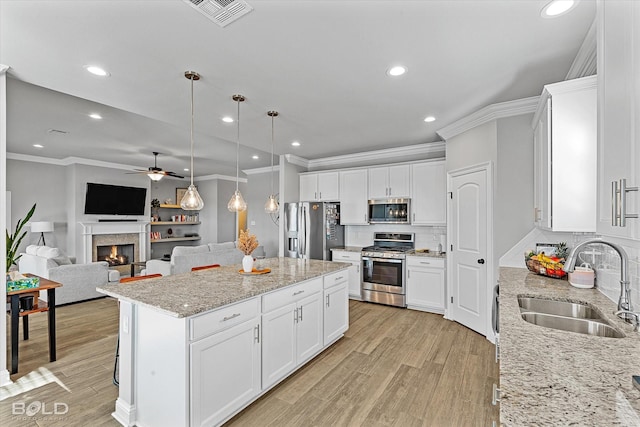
(426, 284)
(565, 146)
(428, 193)
(353, 197)
(292, 331)
(319, 187)
(336, 307)
(389, 181)
(618, 29)
(217, 393)
(355, 275)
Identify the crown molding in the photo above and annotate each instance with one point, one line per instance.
(491, 112)
(296, 160)
(4, 68)
(385, 154)
(67, 161)
(218, 176)
(266, 169)
(585, 62)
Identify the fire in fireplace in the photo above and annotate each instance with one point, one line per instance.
(115, 254)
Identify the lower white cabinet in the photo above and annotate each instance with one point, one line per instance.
(355, 273)
(291, 333)
(336, 307)
(217, 393)
(426, 284)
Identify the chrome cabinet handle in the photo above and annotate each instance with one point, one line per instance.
(295, 315)
(414, 217)
(233, 316)
(298, 292)
(623, 202)
(327, 300)
(425, 262)
(495, 395)
(614, 203)
(257, 333)
(301, 313)
(339, 278)
(321, 195)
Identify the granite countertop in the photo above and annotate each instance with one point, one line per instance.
(188, 294)
(553, 377)
(349, 249)
(430, 254)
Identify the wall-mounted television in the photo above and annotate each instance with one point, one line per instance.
(104, 199)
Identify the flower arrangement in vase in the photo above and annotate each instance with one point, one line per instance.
(247, 243)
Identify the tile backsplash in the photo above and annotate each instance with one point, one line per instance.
(426, 237)
(607, 266)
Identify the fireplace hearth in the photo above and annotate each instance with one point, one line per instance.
(116, 255)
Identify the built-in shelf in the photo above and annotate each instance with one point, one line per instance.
(175, 239)
(162, 205)
(175, 223)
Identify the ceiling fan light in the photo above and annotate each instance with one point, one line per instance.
(272, 205)
(237, 203)
(191, 201)
(155, 176)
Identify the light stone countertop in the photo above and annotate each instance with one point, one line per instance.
(188, 294)
(430, 254)
(348, 249)
(556, 378)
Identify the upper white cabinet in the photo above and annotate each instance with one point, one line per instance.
(565, 133)
(353, 197)
(428, 193)
(390, 181)
(618, 29)
(321, 186)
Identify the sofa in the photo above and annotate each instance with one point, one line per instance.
(184, 258)
(79, 281)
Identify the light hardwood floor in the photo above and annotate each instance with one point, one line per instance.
(393, 367)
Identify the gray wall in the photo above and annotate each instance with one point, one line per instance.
(208, 228)
(259, 222)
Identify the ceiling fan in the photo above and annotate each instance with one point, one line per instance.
(156, 173)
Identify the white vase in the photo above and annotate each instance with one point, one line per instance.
(247, 263)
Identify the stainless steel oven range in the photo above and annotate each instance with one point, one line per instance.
(383, 268)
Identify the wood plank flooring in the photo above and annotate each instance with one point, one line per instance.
(394, 367)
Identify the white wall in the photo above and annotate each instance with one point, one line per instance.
(259, 222)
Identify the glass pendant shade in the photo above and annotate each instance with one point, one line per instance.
(237, 203)
(155, 176)
(191, 200)
(272, 205)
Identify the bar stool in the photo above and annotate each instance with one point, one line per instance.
(205, 267)
(127, 280)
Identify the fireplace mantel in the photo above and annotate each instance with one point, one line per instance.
(90, 229)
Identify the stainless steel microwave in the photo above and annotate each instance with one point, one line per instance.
(390, 211)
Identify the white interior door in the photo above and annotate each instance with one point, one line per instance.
(469, 263)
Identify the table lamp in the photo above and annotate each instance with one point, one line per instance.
(42, 227)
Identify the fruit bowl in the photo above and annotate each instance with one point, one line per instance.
(544, 265)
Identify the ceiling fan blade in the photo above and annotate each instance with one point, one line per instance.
(173, 174)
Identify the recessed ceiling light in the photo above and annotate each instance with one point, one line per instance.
(255, 157)
(557, 7)
(429, 119)
(397, 70)
(227, 119)
(97, 71)
(295, 144)
(38, 146)
(186, 169)
(95, 116)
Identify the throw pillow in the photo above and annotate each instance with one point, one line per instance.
(47, 252)
(62, 260)
(32, 250)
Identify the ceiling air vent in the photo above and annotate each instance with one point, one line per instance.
(222, 12)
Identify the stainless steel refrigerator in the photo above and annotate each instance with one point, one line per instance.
(312, 229)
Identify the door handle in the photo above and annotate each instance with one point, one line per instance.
(481, 261)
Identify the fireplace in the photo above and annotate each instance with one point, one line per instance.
(116, 255)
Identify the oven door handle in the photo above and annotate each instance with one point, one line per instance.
(389, 260)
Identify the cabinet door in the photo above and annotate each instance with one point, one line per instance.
(308, 187)
(542, 160)
(353, 197)
(278, 344)
(618, 118)
(328, 188)
(355, 279)
(225, 373)
(336, 312)
(399, 181)
(378, 183)
(425, 289)
(428, 194)
(309, 327)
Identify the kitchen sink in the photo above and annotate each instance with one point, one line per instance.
(572, 324)
(558, 308)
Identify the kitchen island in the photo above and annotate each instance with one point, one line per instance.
(554, 377)
(196, 348)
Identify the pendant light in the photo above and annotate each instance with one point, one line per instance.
(237, 203)
(191, 200)
(272, 203)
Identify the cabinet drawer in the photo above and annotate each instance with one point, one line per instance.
(336, 278)
(345, 256)
(290, 294)
(414, 261)
(210, 323)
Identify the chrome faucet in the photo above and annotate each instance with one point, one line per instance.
(633, 314)
(624, 302)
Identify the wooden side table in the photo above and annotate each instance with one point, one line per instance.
(38, 306)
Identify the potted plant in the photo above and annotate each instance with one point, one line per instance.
(14, 240)
(247, 243)
(155, 205)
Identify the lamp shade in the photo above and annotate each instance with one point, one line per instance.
(42, 227)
